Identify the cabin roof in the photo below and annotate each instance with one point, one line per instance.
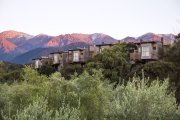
(40, 58)
(105, 44)
(57, 52)
(36, 59)
(142, 42)
(78, 48)
(65, 51)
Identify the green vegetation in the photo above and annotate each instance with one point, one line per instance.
(158, 70)
(68, 70)
(9, 72)
(107, 87)
(47, 70)
(113, 62)
(115, 66)
(173, 55)
(90, 97)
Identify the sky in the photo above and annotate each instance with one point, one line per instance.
(117, 18)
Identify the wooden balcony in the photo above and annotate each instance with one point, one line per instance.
(135, 56)
(80, 60)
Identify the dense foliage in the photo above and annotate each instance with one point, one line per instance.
(9, 72)
(68, 70)
(107, 87)
(91, 97)
(173, 55)
(115, 66)
(47, 69)
(157, 70)
(113, 62)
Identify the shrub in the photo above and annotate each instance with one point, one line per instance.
(47, 70)
(139, 101)
(158, 70)
(68, 70)
(85, 97)
(39, 111)
(85, 92)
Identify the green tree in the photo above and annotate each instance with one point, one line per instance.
(113, 62)
(85, 92)
(10, 72)
(68, 70)
(47, 70)
(173, 55)
(22, 93)
(157, 70)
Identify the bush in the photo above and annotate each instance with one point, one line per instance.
(85, 97)
(85, 92)
(20, 94)
(10, 72)
(47, 70)
(39, 111)
(158, 70)
(139, 101)
(68, 70)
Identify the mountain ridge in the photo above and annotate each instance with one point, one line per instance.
(26, 42)
(14, 43)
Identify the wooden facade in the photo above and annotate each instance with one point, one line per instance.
(146, 50)
(59, 59)
(93, 50)
(78, 55)
(103, 46)
(82, 55)
(39, 62)
(72, 56)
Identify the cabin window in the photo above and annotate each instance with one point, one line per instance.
(145, 51)
(76, 56)
(55, 58)
(37, 64)
(101, 49)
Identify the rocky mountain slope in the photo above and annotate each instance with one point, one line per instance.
(13, 43)
(38, 52)
(168, 38)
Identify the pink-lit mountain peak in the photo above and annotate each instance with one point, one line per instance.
(10, 34)
(41, 35)
(66, 39)
(150, 37)
(13, 43)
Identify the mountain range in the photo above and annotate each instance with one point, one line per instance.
(19, 47)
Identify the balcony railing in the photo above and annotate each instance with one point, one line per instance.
(71, 60)
(135, 56)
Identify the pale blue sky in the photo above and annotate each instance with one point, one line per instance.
(118, 18)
